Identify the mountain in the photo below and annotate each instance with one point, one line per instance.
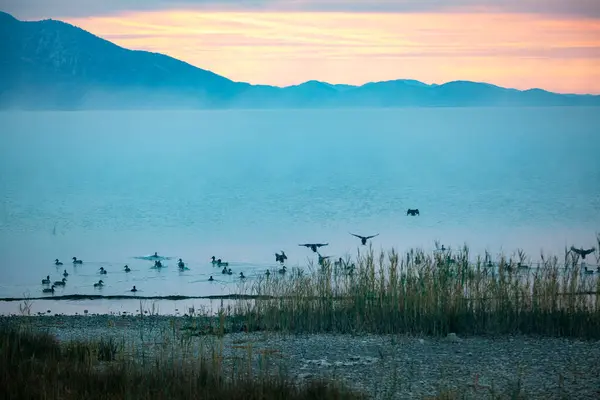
(50, 64)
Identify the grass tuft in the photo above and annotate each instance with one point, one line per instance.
(36, 366)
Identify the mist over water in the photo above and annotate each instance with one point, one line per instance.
(108, 186)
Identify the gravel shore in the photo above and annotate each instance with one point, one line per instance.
(383, 366)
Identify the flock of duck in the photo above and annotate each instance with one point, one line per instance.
(215, 262)
(280, 258)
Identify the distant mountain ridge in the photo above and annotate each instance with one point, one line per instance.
(51, 64)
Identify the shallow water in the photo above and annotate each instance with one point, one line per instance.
(111, 186)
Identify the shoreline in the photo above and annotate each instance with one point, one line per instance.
(408, 366)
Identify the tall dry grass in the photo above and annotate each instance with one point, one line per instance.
(35, 366)
(433, 294)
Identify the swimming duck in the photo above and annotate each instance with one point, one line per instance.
(282, 270)
(76, 261)
(363, 239)
(56, 262)
(155, 254)
(65, 274)
(242, 275)
(181, 264)
(99, 284)
(224, 271)
(48, 290)
(61, 282)
(222, 263)
(134, 289)
(588, 271)
(127, 269)
(102, 271)
(157, 264)
(211, 278)
(229, 272)
(46, 281)
(214, 260)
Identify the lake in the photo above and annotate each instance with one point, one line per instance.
(108, 186)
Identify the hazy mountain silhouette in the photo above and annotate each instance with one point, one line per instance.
(54, 65)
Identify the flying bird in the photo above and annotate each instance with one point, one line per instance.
(583, 252)
(280, 257)
(314, 246)
(363, 239)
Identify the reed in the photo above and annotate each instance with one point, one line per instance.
(432, 294)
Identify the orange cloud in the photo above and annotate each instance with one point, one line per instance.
(513, 50)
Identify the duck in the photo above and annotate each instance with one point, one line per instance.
(157, 264)
(229, 272)
(322, 259)
(99, 284)
(242, 275)
(339, 262)
(314, 246)
(588, 271)
(224, 270)
(280, 257)
(211, 278)
(48, 290)
(363, 239)
(76, 261)
(134, 289)
(102, 271)
(181, 264)
(222, 263)
(127, 269)
(282, 270)
(61, 282)
(65, 273)
(46, 281)
(214, 260)
(155, 255)
(56, 262)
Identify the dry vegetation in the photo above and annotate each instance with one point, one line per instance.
(432, 295)
(36, 366)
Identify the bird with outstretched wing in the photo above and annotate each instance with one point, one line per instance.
(363, 239)
(313, 246)
(582, 252)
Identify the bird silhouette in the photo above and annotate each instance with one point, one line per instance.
(322, 259)
(363, 239)
(280, 257)
(583, 252)
(314, 246)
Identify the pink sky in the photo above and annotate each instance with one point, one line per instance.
(508, 47)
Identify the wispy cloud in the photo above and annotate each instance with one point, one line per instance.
(514, 43)
(514, 50)
(79, 8)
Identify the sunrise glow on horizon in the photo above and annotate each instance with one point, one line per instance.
(512, 49)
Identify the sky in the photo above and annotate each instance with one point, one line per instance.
(549, 44)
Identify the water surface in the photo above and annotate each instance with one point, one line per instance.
(109, 186)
